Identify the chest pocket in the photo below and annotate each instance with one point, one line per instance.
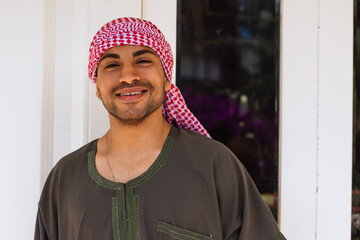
(165, 231)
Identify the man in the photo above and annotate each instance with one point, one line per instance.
(156, 174)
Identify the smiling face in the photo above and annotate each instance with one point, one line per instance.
(131, 83)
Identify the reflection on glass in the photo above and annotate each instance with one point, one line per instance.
(227, 69)
(355, 229)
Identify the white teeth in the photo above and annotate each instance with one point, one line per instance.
(130, 93)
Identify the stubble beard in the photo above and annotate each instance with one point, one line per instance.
(133, 115)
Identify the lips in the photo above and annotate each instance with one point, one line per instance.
(131, 93)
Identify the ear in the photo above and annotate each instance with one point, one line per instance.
(167, 84)
(96, 82)
(97, 88)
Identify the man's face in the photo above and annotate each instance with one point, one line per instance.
(131, 83)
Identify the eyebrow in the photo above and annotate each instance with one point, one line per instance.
(141, 52)
(135, 54)
(109, 55)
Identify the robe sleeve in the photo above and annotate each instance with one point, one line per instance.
(40, 232)
(244, 215)
(47, 221)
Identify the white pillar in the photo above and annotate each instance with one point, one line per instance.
(298, 118)
(316, 119)
(335, 119)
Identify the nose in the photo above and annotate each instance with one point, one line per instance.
(128, 74)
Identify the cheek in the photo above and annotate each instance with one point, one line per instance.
(105, 81)
(108, 76)
(154, 76)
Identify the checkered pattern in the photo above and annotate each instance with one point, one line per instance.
(134, 31)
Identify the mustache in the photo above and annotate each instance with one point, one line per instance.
(135, 83)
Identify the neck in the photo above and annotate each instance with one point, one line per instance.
(130, 140)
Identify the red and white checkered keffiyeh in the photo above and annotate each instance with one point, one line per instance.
(134, 31)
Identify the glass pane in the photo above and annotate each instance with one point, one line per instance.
(355, 229)
(228, 71)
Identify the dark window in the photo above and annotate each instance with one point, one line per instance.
(228, 71)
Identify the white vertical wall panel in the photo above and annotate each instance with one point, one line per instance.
(70, 88)
(298, 118)
(63, 68)
(101, 13)
(335, 118)
(80, 82)
(47, 111)
(21, 67)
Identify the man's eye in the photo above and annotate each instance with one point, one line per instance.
(144, 61)
(111, 66)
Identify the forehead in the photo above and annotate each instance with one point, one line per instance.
(128, 49)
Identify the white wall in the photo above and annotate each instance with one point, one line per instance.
(62, 77)
(21, 67)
